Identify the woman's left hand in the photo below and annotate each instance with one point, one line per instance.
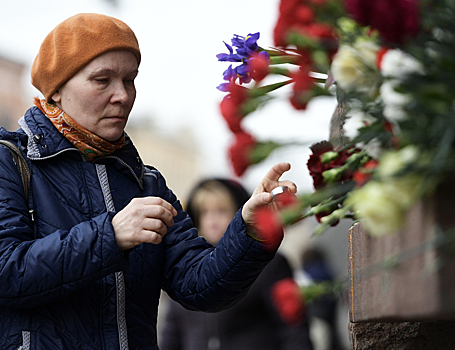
(262, 196)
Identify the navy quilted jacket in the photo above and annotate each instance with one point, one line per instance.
(64, 283)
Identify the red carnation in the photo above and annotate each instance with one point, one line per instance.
(286, 199)
(319, 216)
(287, 6)
(303, 84)
(279, 32)
(394, 138)
(299, 16)
(292, 13)
(304, 14)
(319, 31)
(259, 66)
(380, 55)
(239, 152)
(238, 93)
(230, 112)
(231, 106)
(396, 20)
(316, 167)
(319, 2)
(269, 228)
(314, 164)
(363, 174)
(288, 300)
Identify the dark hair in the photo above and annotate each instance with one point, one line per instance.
(236, 190)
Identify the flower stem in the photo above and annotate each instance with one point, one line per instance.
(285, 59)
(256, 92)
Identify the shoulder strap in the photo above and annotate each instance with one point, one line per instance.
(22, 165)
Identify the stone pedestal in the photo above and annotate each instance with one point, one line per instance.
(403, 336)
(407, 275)
(402, 286)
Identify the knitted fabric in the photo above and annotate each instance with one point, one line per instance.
(73, 44)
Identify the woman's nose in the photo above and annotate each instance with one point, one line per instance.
(120, 93)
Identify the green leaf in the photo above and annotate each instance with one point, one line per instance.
(285, 59)
(263, 150)
(256, 92)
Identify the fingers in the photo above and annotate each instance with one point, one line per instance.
(155, 201)
(146, 236)
(262, 196)
(292, 187)
(143, 220)
(272, 177)
(160, 215)
(277, 170)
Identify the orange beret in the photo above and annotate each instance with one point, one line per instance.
(73, 44)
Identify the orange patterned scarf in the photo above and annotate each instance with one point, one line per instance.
(91, 145)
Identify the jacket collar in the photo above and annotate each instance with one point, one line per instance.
(45, 141)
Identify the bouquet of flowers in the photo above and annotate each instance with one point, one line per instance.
(391, 64)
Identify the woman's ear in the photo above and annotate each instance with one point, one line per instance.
(56, 97)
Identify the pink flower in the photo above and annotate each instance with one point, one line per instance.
(288, 301)
(239, 152)
(269, 228)
(396, 20)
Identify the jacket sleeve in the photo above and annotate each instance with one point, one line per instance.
(35, 272)
(201, 277)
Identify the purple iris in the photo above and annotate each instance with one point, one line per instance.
(231, 57)
(243, 72)
(244, 48)
(230, 74)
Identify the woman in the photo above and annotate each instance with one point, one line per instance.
(84, 271)
(253, 323)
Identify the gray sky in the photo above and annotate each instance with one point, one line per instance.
(179, 40)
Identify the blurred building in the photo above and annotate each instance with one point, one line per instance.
(176, 156)
(13, 101)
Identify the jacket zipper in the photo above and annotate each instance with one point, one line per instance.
(121, 161)
(119, 278)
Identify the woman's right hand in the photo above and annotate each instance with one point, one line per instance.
(143, 220)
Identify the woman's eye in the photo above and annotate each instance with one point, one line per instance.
(102, 80)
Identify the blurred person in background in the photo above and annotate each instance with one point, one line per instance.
(251, 324)
(322, 311)
(84, 256)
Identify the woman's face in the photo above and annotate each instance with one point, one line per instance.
(216, 212)
(100, 96)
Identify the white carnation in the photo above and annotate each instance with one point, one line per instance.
(394, 102)
(374, 148)
(354, 67)
(397, 64)
(356, 119)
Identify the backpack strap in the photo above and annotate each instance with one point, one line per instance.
(22, 168)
